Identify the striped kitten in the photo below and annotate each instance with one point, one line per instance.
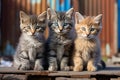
(87, 44)
(59, 41)
(29, 52)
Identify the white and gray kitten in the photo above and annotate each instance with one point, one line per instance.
(30, 49)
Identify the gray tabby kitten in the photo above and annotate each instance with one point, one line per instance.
(59, 42)
(29, 52)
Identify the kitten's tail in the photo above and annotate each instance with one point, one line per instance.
(101, 65)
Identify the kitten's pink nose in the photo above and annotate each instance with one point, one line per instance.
(60, 27)
(87, 34)
(32, 31)
(60, 30)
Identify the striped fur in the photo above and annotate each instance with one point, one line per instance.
(30, 49)
(59, 41)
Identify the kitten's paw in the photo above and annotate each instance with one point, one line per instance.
(38, 68)
(91, 68)
(52, 68)
(38, 65)
(66, 68)
(78, 68)
(24, 67)
(67, 42)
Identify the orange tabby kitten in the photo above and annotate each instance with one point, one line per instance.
(87, 45)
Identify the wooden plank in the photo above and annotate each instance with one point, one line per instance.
(1, 75)
(114, 79)
(110, 70)
(80, 74)
(14, 77)
(40, 78)
(11, 70)
(64, 78)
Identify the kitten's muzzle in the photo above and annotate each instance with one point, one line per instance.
(32, 31)
(60, 28)
(61, 31)
(88, 35)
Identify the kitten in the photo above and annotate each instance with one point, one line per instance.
(59, 41)
(87, 44)
(29, 52)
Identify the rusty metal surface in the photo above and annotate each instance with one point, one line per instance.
(10, 22)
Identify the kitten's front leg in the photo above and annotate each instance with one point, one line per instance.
(39, 62)
(32, 54)
(25, 65)
(52, 61)
(67, 42)
(24, 61)
(38, 65)
(64, 64)
(78, 62)
(91, 65)
(22, 65)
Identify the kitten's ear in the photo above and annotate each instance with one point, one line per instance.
(23, 16)
(78, 17)
(98, 19)
(50, 13)
(70, 12)
(42, 16)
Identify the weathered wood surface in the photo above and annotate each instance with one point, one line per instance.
(110, 70)
(106, 74)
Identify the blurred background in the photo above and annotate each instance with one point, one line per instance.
(10, 31)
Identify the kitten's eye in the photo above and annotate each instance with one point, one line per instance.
(92, 29)
(65, 24)
(42, 29)
(83, 28)
(67, 27)
(55, 24)
(27, 27)
(37, 27)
